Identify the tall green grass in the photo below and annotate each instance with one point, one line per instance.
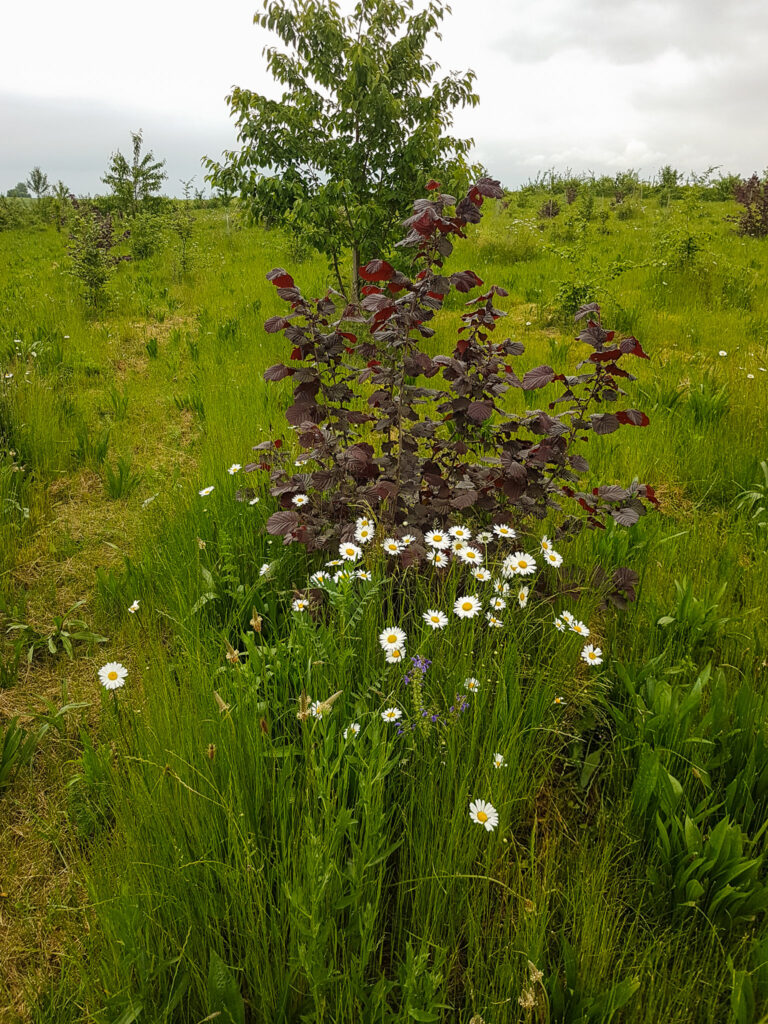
(232, 858)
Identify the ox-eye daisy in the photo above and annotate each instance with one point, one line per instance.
(350, 552)
(559, 625)
(352, 731)
(300, 604)
(364, 534)
(343, 574)
(392, 637)
(502, 530)
(364, 574)
(500, 587)
(522, 596)
(467, 607)
(498, 604)
(407, 539)
(439, 559)
(395, 656)
(316, 709)
(493, 621)
(483, 575)
(112, 675)
(592, 655)
(546, 544)
(334, 563)
(319, 578)
(472, 684)
(470, 555)
(484, 537)
(300, 499)
(498, 761)
(392, 546)
(234, 468)
(205, 492)
(568, 617)
(363, 521)
(264, 569)
(435, 619)
(483, 813)
(458, 545)
(391, 714)
(437, 539)
(579, 627)
(553, 558)
(134, 608)
(460, 533)
(519, 564)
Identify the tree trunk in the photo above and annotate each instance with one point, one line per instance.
(355, 273)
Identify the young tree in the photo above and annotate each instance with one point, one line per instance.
(62, 199)
(133, 183)
(359, 128)
(37, 182)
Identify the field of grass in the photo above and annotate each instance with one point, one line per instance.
(191, 847)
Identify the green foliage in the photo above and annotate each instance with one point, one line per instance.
(569, 998)
(137, 183)
(753, 502)
(146, 234)
(91, 448)
(91, 259)
(38, 183)
(360, 125)
(120, 482)
(709, 871)
(19, 191)
(224, 999)
(17, 747)
(708, 402)
(64, 632)
(696, 621)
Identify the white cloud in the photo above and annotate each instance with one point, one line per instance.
(590, 84)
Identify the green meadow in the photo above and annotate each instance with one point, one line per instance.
(198, 844)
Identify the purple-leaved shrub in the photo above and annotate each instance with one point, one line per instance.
(380, 433)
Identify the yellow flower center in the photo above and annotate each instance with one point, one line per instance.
(396, 653)
(482, 817)
(522, 563)
(392, 639)
(112, 675)
(466, 606)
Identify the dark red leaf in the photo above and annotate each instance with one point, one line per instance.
(275, 324)
(377, 270)
(432, 185)
(278, 372)
(280, 278)
(632, 347)
(633, 417)
(281, 523)
(538, 377)
(604, 422)
(604, 357)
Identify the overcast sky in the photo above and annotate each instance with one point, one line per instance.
(588, 84)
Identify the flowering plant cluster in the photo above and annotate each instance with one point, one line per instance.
(376, 436)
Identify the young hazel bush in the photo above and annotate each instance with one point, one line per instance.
(376, 437)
